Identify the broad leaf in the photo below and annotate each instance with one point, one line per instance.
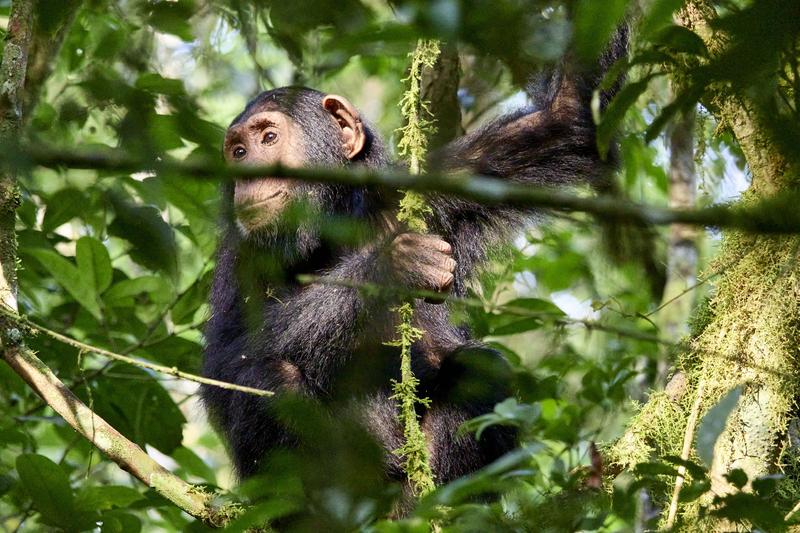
(152, 239)
(48, 486)
(94, 263)
(67, 275)
(106, 497)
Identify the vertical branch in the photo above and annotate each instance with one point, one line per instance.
(12, 83)
(686, 449)
(45, 46)
(413, 144)
(440, 92)
(682, 252)
(415, 448)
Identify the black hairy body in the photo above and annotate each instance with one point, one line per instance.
(326, 340)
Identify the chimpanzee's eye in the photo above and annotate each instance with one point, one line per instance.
(239, 152)
(270, 138)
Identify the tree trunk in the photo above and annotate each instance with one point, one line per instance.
(746, 336)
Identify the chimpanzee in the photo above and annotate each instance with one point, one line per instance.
(269, 331)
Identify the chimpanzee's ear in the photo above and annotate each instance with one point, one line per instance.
(349, 120)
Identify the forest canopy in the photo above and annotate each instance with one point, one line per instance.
(650, 323)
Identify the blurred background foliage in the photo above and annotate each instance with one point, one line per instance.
(123, 261)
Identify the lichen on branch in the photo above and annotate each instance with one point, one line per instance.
(413, 145)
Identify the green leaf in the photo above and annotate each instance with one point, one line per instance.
(680, 39)
(155, 83)
(536, 306)
(106, 497)
(48, 486)
(174, 351)
(119, 522)
(62, 207)
(694, 469)
(172, 17)
(594, 22)
(659, 13)
(138, 406)
(510, 325)
(94, 263)
(123, 293)
(682, 102)
(615, 112)
(713, 423)
(506, 413)
(6, 483)
(190, 301)
(655, 469)
(193, 465)
(152, 239)
(68, 276)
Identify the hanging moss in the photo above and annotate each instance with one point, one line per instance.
(415, 448)
(413, 143)
(748, 335)
(412, 211)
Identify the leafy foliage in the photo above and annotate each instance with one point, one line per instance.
(123, 262)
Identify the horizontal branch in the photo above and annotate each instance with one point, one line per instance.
(772, 215)
(141, 363)
(516, 310)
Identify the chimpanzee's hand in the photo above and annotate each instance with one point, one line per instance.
(423, 262)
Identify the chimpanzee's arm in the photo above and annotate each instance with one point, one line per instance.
(552, 143)
(296, 347)
(313, 329)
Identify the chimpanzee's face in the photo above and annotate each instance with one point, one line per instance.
(268, 136)
(264, 138)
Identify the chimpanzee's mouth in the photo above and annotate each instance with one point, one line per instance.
(255, 213)
(262, 201)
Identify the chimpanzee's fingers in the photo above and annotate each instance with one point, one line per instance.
(436, 279)
(436, 243)
(437, 260)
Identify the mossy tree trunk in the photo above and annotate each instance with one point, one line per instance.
(749, 333)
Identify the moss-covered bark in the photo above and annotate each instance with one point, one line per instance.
(749, 335)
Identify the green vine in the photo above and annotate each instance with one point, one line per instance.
(413, 145)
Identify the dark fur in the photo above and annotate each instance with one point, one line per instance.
(325, 341)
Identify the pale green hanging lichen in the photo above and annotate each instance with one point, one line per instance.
(412, 210)
(415, 449)
(413, 143)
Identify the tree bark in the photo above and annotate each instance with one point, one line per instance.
(440, 89)
(747, 336)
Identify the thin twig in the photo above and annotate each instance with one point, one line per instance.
(791, 513)
(172, 371)
(480, 304)
(688, 438)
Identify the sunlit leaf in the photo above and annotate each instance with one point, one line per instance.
(713, 423)
(94, 264)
